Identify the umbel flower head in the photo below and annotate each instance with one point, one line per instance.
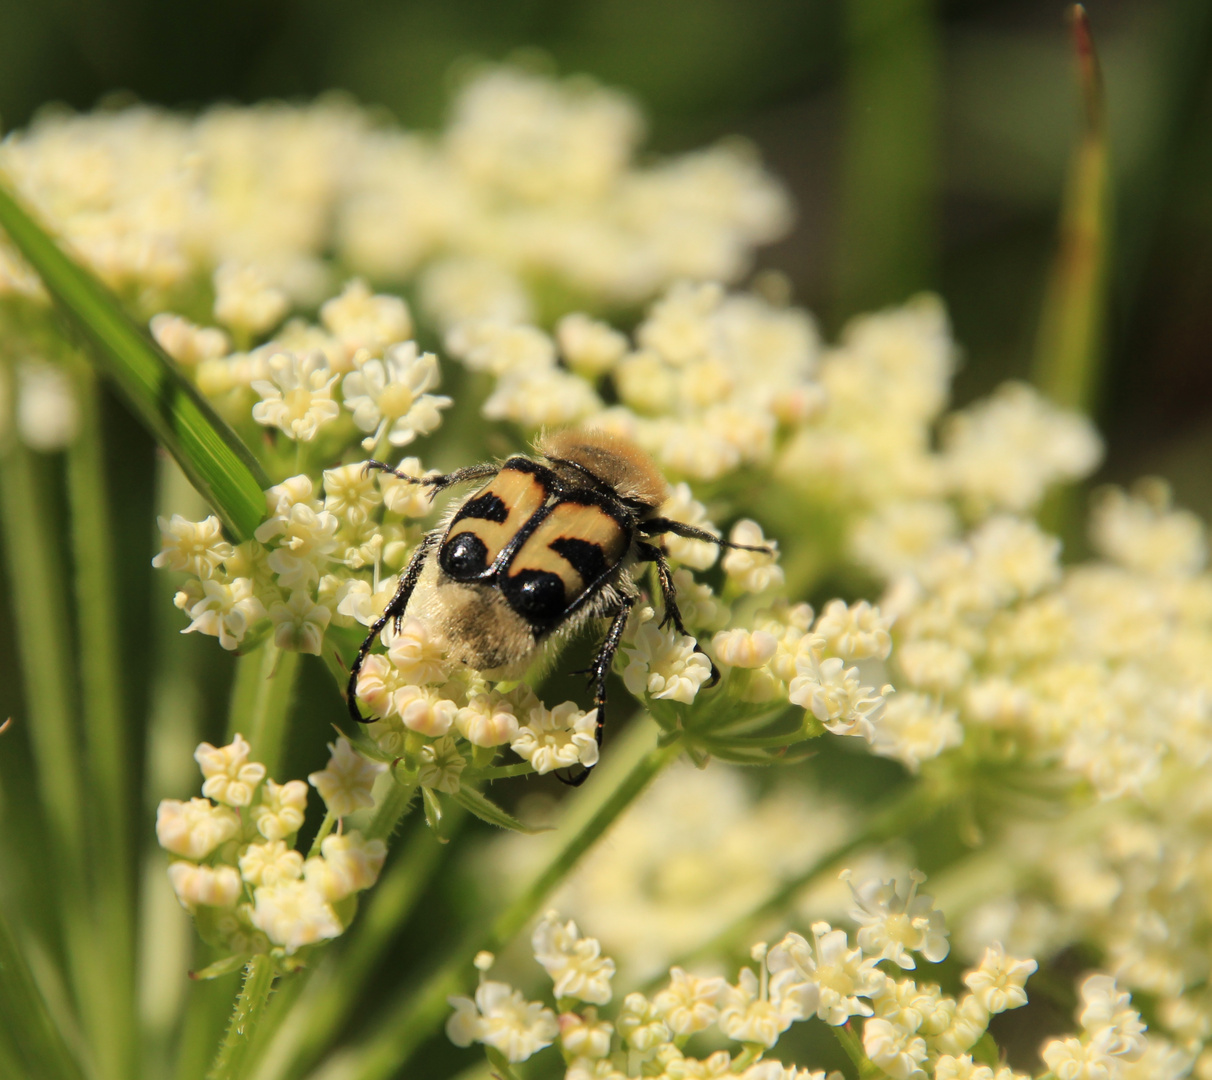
(249, 890)
(906, 1029)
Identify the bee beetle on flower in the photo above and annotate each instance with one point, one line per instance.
(544, 546)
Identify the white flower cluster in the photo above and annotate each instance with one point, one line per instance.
(236, 870)
(909, 1030)
(533, 177)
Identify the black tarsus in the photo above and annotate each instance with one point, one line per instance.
(394, 610)
(598, 671)
(669, 598)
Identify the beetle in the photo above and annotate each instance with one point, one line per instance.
(547, 544)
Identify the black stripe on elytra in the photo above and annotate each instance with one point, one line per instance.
(486, 507)
(584, 556)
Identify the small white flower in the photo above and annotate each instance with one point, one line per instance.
(245, 300)
(197, 547)
(186, 342)
(305, 539)
(1107, 1014)
(297, 396)
(270, 863)
(214, 886)
(689, 1003)
(752, 571)
(998, 982)
(591, 347)
(895, 919)
(390, 395)
(856, 631)
(355, 600)
(350, 492)
(757, 1011)
(416, 655)
(230, 777)
(441, 764)
(548, 398)
(487, 720)
(299, 623)
(424, 710)
(584, 1035)
(744, 648)
(194, 829)
(640, 1025)
(576, 964)
(345, 782)
(502, 1018)
(365, 320)
(832, 692)
(898, 1052)
(293, 914)
(280, 812)
(347, 864)
(665, 665)
(225, 610)
(842, 974)
(557, 738)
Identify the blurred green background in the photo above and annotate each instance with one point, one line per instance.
(925, 143)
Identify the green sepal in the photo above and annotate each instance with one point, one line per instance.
(220, 968)
(486, 810)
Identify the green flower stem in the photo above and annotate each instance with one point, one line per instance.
(410, 1021)
(105, 728)
(849, 1041)
(326, 826)
(207, 1010)
(396, 801)
(260, 701)
(916, 805)
(326, 1001)
(217, 463)
(258, 982)
(28, 1034)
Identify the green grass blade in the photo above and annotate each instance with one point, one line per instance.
(217, 463)
(24, 1017)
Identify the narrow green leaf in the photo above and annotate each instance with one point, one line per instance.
(217, 463)
(486, 810)
(26, 1019)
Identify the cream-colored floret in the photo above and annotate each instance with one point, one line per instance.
(345, 783)
(230, 777)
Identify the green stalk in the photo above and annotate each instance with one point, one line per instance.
(206, 1011)
(258, 982)
(394, 806)
(217, 463)
(167, 935)
(260, 704)
(29, 1031)
(412, 1020)
(326, 1001)
(1069, 347)
(105, 730)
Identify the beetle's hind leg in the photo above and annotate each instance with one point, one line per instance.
(599, 670)
(669, 598)
(394, 610)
